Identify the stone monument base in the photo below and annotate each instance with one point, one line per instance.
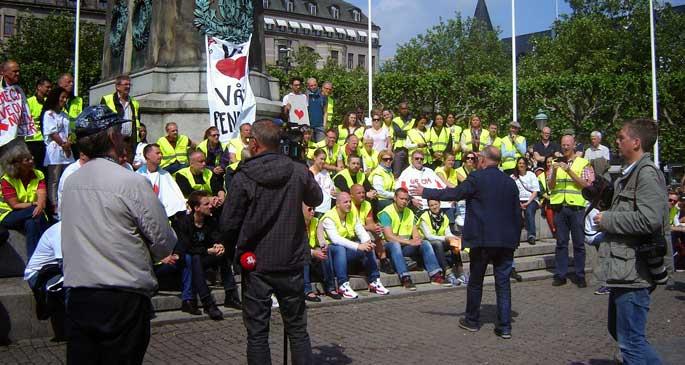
(179, 94)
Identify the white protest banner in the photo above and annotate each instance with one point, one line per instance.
(230, 97)
(15, 120)
(426, 178)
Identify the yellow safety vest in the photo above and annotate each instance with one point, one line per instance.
(370, 160)
(542, 179)
(311, 148)
(400, 227)
(237, 143)
(205, 185)
(451, 178)
(343, 132)
(330, 104)
(416, 136)
(425, 217)
(348, 177)
(35, 107)
(346, 230)
(362, 212)
(311, 232)
(74, 107)
(456, 130)
(399, 142)
(462, 171)
(388, 179)
(331, 158)
(202, 147)
(28, 194)
(466, 139)
(506, 145)
(439, 141)
(109, 101)
(566, 191)
(171, 154)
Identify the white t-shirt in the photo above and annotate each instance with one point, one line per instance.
(379, 137)
(60, 186)
(298, 108)
(48, 251)
(325, 182)
(591, 229)
(139, 159)
(55, 123)
(527, 184)
(168, 192)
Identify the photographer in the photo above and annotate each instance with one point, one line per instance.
(637, 220)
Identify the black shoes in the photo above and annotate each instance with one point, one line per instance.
(503, 333)
(531, 241)
(515, 275)
(213, 311)
(408, 284)
(463, 323)
(580, 283)
(386, 266)
(190, 306)
(333, 295)
(232, 300)
(558, 282)
(312, 297)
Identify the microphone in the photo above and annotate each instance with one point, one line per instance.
(248, 261)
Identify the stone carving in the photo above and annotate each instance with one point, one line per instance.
(142, 17)
(234, 23)
(118, 27)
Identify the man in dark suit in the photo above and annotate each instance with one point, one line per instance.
(491, 196)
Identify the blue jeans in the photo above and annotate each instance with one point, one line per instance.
(342, 256)
(569, 220)
(397, 253)
(326, 271)
(502, 260)
(627, 321)
(187, 292)
(529, 214)
(33, 227)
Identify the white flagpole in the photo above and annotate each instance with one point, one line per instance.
(513, 58)
(370, 61)
(76, 45)
(654, 90)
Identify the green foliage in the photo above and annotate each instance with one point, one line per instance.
(44, 47)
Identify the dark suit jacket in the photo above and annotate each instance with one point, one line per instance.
(493, 213)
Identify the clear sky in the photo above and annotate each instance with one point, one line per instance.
(401, 20)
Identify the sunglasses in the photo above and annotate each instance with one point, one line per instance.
(387, 159)
(672, 200)
(418, 158)
(214, 135)
(310, 209)
(376, 119)
(470, 158)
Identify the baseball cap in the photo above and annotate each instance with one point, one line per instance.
(515, 124)
(96, 118)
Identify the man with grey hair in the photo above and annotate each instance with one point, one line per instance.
(596, 149)
(317, 109)
(327, 91)
(491, 196)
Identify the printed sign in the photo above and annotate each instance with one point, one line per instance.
(15, 119)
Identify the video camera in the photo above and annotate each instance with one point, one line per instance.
(599, 193)
(292, 141)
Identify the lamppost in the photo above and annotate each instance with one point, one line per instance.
(541, 119)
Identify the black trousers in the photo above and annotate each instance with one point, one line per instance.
(289, 289)
(107, 326)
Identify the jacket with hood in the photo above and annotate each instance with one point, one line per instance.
(263, 211)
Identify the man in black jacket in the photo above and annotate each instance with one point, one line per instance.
(491, 196)
(263, 215)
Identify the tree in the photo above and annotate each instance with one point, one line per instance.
(44, 47)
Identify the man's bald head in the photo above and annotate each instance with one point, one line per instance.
(10, 72)
(491, 156)
(343, 202)
(358, 193)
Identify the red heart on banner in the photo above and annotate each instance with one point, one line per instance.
(299, 113)
(232, 68)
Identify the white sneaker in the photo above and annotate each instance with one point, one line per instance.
(377, 287)
(274, 301)
(346, 291)
(463, 279)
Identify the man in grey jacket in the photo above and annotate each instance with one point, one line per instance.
(639, 209)
(113, 228)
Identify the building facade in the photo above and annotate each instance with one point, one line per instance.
(336, 30)
(93, 11)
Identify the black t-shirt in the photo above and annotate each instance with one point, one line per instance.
(551, 148)
(196, 240)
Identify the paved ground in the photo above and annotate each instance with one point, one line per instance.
(551, 326)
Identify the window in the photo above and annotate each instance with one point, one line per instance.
(282, 54)
(357, 15)
(8, 29)
(290, 5)
(334, 57)
(373, 62)
(350, 60)
(312, 9)
(361, 61)
(335, 12)
(102, 4)
(266, 4)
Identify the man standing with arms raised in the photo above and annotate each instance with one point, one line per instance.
(263, 215)
(491, 196)
(113, 228)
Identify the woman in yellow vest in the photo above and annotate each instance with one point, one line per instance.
(447, 172)
(350, 125)
(417, 139)
(382, 179)
(439, 139)
(213, 150)
(319, 260)
(545, 205)
(468, 165)
(24, 194)
(369, 156)
(455, 132)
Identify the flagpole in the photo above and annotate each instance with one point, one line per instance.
(513, 58)
(654, 90)
(370, 61)
(76, 45)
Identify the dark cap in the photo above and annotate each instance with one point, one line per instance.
(96, 119)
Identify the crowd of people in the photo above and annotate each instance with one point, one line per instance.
(369, 219)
